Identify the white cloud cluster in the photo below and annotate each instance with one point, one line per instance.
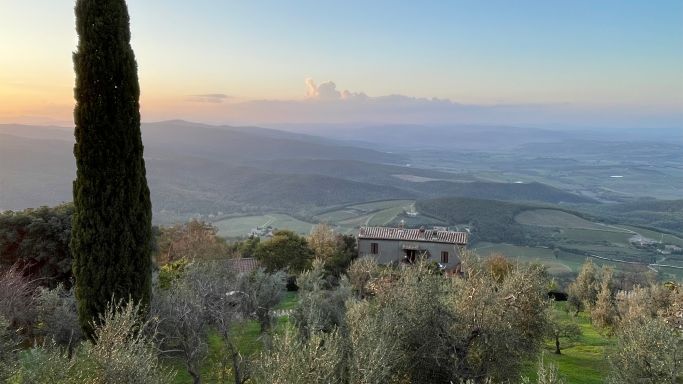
(328, 91)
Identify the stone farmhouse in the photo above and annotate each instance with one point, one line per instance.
(403, 245)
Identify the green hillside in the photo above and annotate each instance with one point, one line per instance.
(559, 238)
(501, 191)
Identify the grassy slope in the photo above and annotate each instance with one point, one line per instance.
(581, 362)
(247, 338)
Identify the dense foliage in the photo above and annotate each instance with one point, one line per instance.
(284, 251)
(124, 353)
(189, 241)
(418, 326)
(337, 251)
(112, 231)
(489, 220)
(37, 242)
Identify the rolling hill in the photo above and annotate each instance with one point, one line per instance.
(195, 169)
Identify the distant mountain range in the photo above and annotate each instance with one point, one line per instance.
(200, 169)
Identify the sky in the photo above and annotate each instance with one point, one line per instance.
(556, 63)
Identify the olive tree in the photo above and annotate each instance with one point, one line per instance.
(259, 293)
(376, 356)
(321, 304)
(317, 359)
(558, 329)
(360, 273)
(647, 351)
(124, 353)
(584, 290)
(199, 299)
(498, 325)
(546, 374)
(17, 301)
(58, 316)
(183, 324)
(604, 313)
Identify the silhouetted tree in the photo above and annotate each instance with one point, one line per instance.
(112, 231)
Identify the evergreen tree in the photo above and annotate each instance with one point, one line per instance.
(111, 234)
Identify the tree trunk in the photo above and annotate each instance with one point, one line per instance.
(557, 345)
(236, 368)
(265, 322)
(196, 378)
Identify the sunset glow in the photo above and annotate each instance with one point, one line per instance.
(568, 59)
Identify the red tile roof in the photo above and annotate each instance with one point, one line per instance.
(434, 236)
(243, 265)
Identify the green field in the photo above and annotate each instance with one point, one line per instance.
(240, 226)
(545, 256)
(559, 219)
(339, 215)
(345, 219)
(666, 238)
(583, 361)
(379, 205)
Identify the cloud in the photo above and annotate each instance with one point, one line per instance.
(209, 98)
(325, 103)
(324, 91)
(328, 91)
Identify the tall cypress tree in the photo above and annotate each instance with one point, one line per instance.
(111, 231)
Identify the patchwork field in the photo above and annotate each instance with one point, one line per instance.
(562, 264)
(346, 219)
(560, 219)
(240, 226)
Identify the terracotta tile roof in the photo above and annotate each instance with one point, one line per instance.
(435, 236)
(243, 265)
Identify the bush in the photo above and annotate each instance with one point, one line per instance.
(7, 350)
(317, 359)
(124, 353)
(17, 302)
(321, 305)
(647, 351)
(260, 292)
(57, 316)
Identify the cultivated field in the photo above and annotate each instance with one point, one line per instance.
(240, 226)
(560, 219)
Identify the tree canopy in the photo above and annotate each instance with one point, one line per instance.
(284, 251)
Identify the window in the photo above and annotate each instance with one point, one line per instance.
(374, 248)
(444, 257)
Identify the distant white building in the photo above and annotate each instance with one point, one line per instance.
(261, 232)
